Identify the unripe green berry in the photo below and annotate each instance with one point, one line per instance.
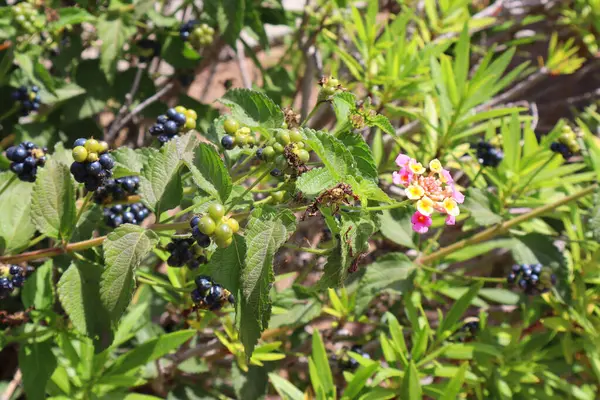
(180, 109)
(92, 157)
(80, 154)
(231, 126)
(207, 225)
(223, 232)
(233, 224)
(102, 147)
(303, 155)
(223, 243)
(278, 196)
(190, 123)
(283, 137)
(295, 136)
(190, 114)
(300, 145)
(216, 211)
(281, 162)
(91, 145)
(269, 153)
(278, 147)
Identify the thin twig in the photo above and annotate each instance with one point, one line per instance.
(12, 386)
(140, 107)
(241, 60)
(128, 100)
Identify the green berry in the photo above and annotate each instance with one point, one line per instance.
(92, 157)
(190, 114)
(283, 137)
(281, 162)
(278, 196)
(223, 232)
(102, 147)
(268, 153)
(223, 243)
(91, 145)
(296, 136)
(231, 126)
(207, 225)
(278, 147)
(80, 154)
(216, 211)
(300, 145)
(180, 109)
(190, 123)
(303, 155)
(233, 224)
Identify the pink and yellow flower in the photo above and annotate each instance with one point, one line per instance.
(420, 222)
(432, 189)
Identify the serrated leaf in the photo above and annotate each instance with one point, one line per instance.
(149, 351)
(363, 157)
(396, 226)
(230, 16)
(332, 152)
(383, 123)
(252, 108)
(209, 172)
(343, 105)
(79, 294)
(267, 230)
(478, 205)
(114, 31)
(316, 180)
(53, 201)
(16, 226)
(129, 161)
(226, 265)
(71, 16)
(124, 250)
(37, 291)
(389, 273)
(356, 229)
(37, 363)
(160, 184)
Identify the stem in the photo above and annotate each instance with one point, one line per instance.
(249, 188)
(537, 171)
(162, 285)
(499, 229)
(477, 174)
(306, 249)
(380, 208)
(459, 276)
(8, 183)
(311, 113)
(187, 210)
(86, 201)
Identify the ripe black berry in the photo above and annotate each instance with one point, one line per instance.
(211, 295)
(11, 277)
(533, 279)
(93, 164)
(29, 100)
(488, 155)
(178, 119)
(117, 189)
(185, 252)
(25, 160)
(125, 214)
(227, 142)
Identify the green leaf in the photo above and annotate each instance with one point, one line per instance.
(209, 172)
(396, 226)
(71, 16)
(343, 105)
(230, 16)
(499, 295)
(477, 204)
(454, 385)
(226, 264)
(66, 92)
(129, 161)
(114, 30)
(411, 387)
(363, 157)
(594, 217)
(265, 233)
(511, 144)
(459, 307)
(252, 384)
(53, 202)
(321, 362)
(16, 226)
(37, 363)
(37, 291)
(79, 294)
(390, 273)
(313, 182)
(382, 122)
(124, 250)
(356, 229)
(358, 382)
(336, 157)
(160, 185)
(252, 108)
(285, 388)
(149, 351)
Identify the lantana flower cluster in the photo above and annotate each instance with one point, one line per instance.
(433, 190)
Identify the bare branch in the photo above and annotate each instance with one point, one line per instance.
(12, 386)
(128, 100)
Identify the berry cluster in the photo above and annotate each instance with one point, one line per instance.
(329, 86)
(468, 330)
(488, 155)
(347, 363)
(26, 158)
(214, 225)
(185, 252)
(288, 150)
(178, 119)
(14, 277)
(237, 135)
(117, 189)
(533, 279)
(125, 214)
(26, 17)
(198, 36)
(29, 99)
(93, 164)
(567, 143)
(210, 295)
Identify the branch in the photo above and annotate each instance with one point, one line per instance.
(241, 59)
(128, 100)
(499, 229)
(12, 386)
(140, 107)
